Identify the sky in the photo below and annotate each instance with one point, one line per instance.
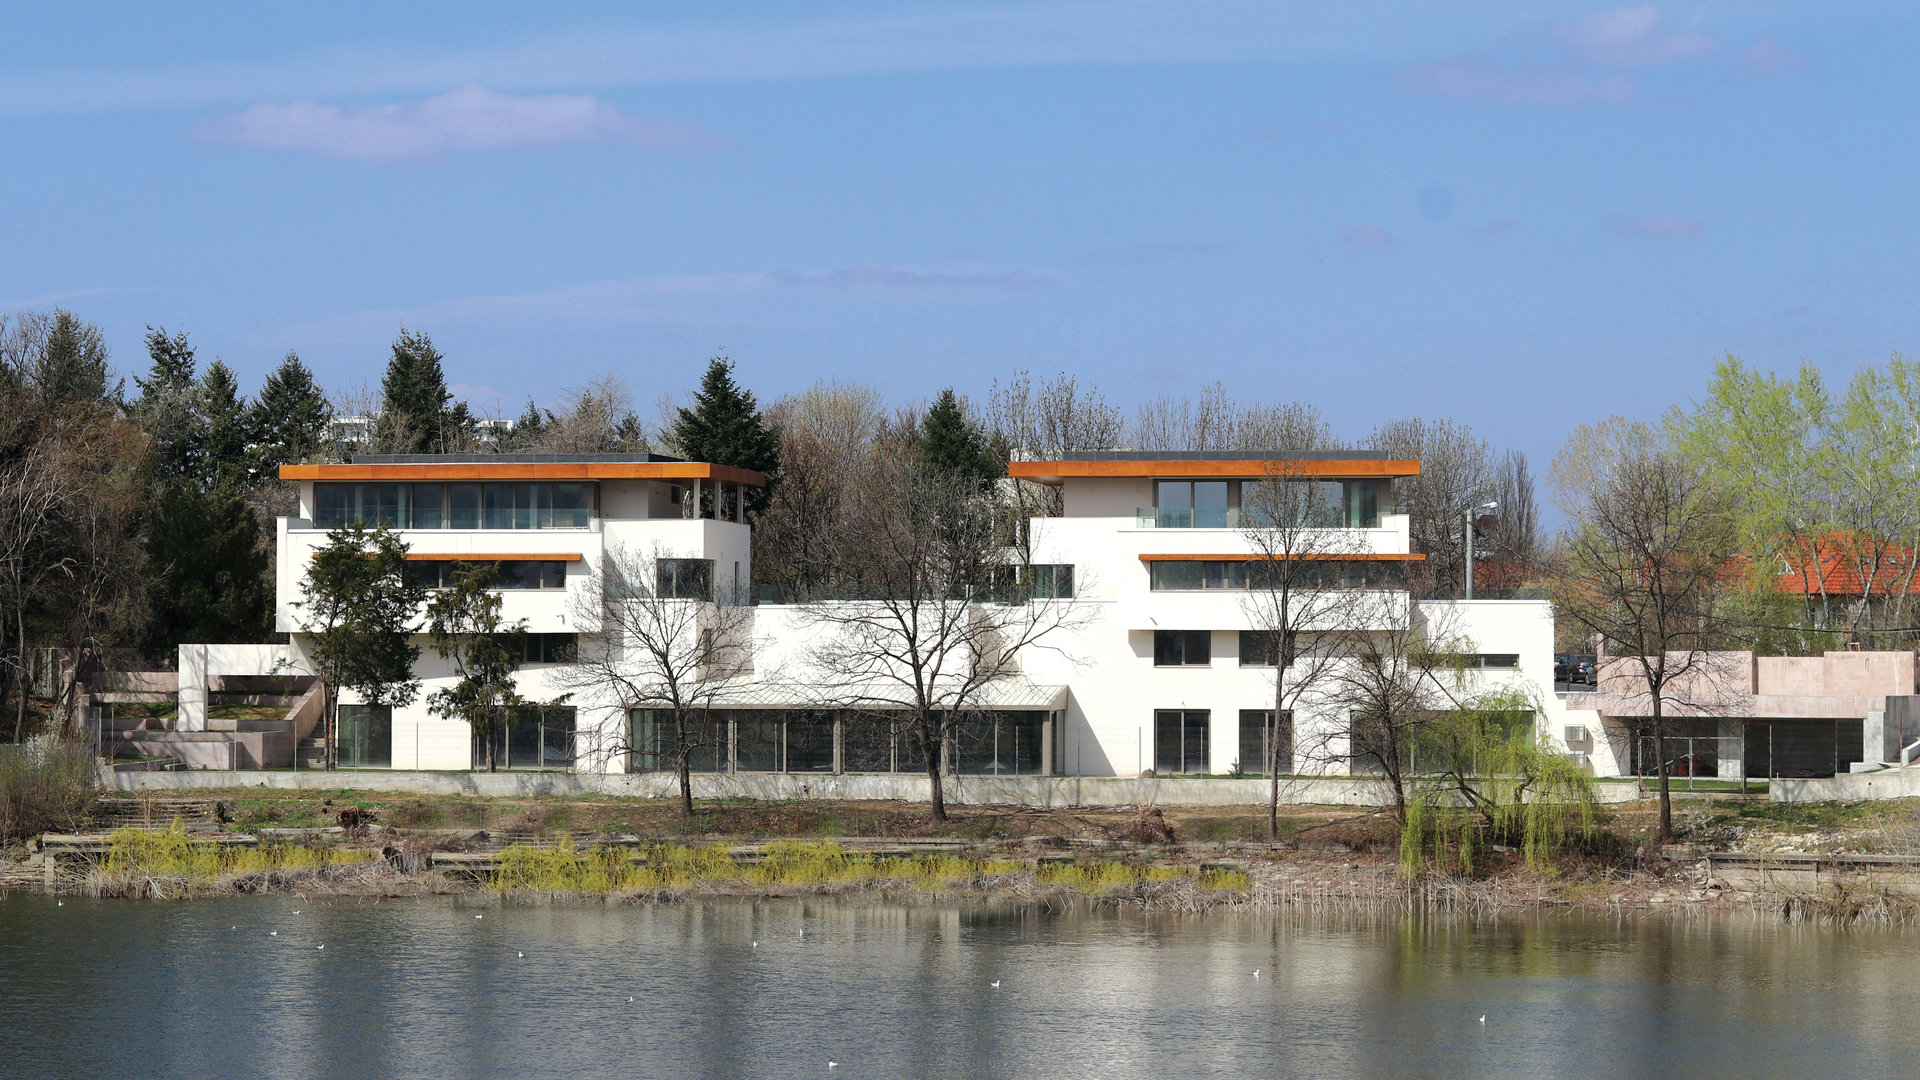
(1521, 216)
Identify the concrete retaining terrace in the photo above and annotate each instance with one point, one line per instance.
(1030, 791)
(1850, 787)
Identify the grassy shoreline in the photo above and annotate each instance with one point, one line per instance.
(1173, 859)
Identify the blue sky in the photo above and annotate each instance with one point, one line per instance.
(1522, 216)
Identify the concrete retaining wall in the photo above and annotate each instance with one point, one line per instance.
(1850, 787)
(1033, 791)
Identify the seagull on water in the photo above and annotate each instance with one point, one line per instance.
(273, 933)
(756, 944)
(296, 911)
(479, 916)
(1256, 973)
(1483, 1018)
(994, 985)
(831, 1064)
(319, 946)
(629, 999)
(521, 955)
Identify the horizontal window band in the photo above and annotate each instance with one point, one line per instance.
(1384, 557)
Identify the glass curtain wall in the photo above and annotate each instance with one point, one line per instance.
(780, 740)
(456, 506)
(535, 737)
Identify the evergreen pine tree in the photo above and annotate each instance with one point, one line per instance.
(72, 366)
(224, 459)
(414, 397)
(288, 421)
(206, 571)
(531, 425)
(168, 411)
(725, 427)
(954, 445)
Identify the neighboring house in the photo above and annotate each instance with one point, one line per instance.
(1740, 715)
(1161, 669)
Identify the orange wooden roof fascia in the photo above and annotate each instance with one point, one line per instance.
(479, 557)
(1243, 557)
(1055, 472)
(550, 470)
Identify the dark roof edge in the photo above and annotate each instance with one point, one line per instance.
(509, 459)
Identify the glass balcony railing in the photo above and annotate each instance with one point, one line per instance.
(1147, 517)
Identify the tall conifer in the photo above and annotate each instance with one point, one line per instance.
(725, 427)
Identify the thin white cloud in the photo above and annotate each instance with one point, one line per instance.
(1628, 37)
(674, 298)
(721, 49)
(1567, 62)
(1478, 79)
(466, 119)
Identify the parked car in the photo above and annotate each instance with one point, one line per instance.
(1573, 668)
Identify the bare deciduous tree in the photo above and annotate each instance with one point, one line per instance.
(1640, 564)
(666, 645)
(1458, 471)
(1306, 587)
(34, 490)
(934, 637)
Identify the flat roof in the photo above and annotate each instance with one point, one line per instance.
(1213, 464)
(1223, 455)
(506, 459)
(455, 467)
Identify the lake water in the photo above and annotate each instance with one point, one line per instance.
(422, 988)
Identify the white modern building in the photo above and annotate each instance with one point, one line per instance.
(1160, 669)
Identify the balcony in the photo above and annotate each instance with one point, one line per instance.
(1232, 517)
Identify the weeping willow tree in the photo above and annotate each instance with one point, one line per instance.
(1498, 782)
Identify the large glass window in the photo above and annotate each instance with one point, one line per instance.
(1259, 648)
(1052, 581)
(365, 737)
(1192, 504)
(654, 744)
(1180, 575)
(1257, 735)
(463, 506)
(1179, 741)
(534, 737)
(685, 579)
(510, 574)
(1182, 648)
(426, 506)
(455, 506)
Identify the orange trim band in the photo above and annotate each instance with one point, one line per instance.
(1054, 472)
(588, 470)
(1284, 558)
(478, 557)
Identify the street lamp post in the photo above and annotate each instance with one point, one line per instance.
(1471, 515)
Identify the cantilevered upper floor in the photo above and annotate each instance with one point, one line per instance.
(546, 519)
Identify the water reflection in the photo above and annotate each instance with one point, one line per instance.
(424, 989)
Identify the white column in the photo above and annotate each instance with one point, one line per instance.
(193, 689)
